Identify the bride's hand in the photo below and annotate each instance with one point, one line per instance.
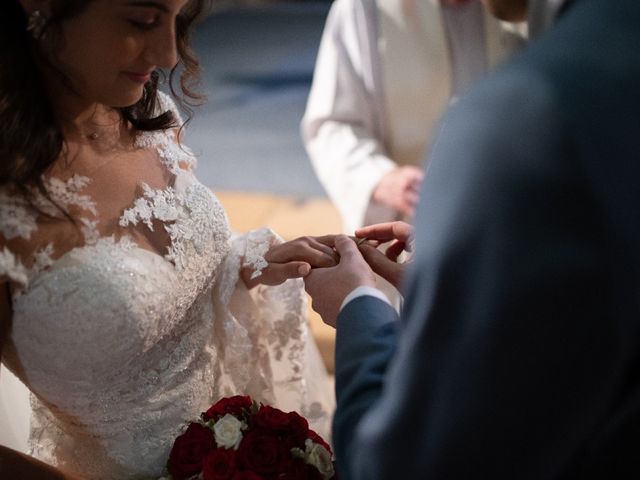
(293, 259)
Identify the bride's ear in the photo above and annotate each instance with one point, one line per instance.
(38, 13)
(30, 6)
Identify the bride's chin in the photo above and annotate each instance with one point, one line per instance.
(128, 100)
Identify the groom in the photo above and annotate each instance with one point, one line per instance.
(518, 351)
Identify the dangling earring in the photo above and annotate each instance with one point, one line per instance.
(37, 24)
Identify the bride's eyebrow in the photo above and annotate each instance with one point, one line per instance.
(149, 4)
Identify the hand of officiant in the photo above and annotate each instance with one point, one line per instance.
(293, 259)
(328, 287)
(399, 236)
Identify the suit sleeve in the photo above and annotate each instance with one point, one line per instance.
(365, 341)
(506, 360)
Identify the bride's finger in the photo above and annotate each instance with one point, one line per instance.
(323, 244)
(327, 240)
(315, 243)
(299, 251)
(277, 273)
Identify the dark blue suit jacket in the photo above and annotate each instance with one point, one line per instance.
(518, 355)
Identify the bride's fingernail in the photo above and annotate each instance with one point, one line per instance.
(304, 269)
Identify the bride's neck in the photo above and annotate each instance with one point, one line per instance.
(95, 121)
(87, 120)
(81, 118)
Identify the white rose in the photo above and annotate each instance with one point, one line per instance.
(228, 432)
(318, 456)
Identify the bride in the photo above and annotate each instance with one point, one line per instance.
(126, 305)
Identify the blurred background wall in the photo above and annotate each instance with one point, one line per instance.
(258, 58)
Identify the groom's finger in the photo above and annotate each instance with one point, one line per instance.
(394, 250)
(379, 263)
(379, 231)
(386, 231)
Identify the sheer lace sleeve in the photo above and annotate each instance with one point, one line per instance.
(182, 154)
(275, 354)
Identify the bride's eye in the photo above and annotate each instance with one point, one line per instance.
(145, 23)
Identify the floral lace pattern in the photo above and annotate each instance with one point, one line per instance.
(17, 220)
(68, 193)
(185, 218)
(11, 268)
(257, 245)
(136, 343)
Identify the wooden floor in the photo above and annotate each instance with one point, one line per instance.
(289, 218)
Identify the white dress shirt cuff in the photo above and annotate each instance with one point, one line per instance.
(362, 291)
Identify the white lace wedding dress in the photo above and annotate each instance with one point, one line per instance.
(135, 321)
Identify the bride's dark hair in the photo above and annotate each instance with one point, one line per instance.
(30, 137)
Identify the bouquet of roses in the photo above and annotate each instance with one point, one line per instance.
(239, 439)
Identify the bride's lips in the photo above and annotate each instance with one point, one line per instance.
(138, 77)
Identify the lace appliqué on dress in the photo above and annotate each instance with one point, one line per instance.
(173, 154)
(186, 218)
(258, 243)
(12, 268)
(67, 193)
(17, 219)
(175, 157)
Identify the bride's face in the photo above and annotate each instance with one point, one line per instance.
(108, 51)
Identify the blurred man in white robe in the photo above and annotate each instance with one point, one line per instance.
(368, 120)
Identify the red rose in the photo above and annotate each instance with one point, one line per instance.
(299, 470)
(247, 476)
(263, 453)
(219, 464)
(188, 451)
(315, 438)
(232, 405)
(271, 418)
(290, 425)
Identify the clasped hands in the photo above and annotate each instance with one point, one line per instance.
(334, 265)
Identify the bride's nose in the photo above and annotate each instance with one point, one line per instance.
(161, 49)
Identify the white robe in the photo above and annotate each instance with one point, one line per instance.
(385, 71)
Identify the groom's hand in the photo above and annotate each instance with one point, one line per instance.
(400, 236)
(328, 287)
